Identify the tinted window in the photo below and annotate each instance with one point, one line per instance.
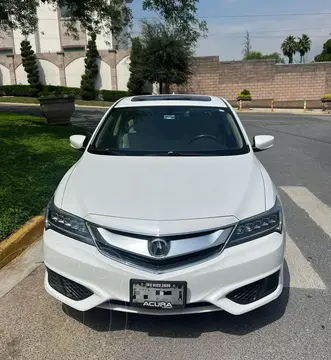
(157, 130)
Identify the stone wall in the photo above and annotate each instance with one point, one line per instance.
(264, 79)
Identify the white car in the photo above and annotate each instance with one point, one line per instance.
(168, 211)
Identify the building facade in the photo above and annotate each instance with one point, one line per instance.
(60, 57)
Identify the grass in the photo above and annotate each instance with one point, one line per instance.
(33, 158)
(31, 100)
(19, 100)
(94, 103)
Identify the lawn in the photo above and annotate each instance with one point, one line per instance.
(33, 158)
(31, 100)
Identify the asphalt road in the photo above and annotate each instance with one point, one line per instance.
(297, 326)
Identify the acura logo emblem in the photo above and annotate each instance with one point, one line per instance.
(159, 247)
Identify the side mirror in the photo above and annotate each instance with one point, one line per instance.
(78, 142)
(263, 142)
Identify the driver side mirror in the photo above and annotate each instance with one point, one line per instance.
(78, 142)
(263, 142)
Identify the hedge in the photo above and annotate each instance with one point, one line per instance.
(26, 91)
(113, 95)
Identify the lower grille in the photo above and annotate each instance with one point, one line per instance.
(255, 291)
(68, 288)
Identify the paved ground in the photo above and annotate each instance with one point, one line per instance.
(34, 326)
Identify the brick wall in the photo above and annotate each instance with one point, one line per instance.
(264, 79)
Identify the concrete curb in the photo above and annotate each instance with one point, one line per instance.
(282, 112)
(13, 246)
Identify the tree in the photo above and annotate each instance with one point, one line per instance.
(87, 88)
(30, 66)
(257, 55)
(304, 44)
(136, 81)
(106, 15)
(166, 54)
(180, 14)
(247, 46)
(325, 55)
(289, 48)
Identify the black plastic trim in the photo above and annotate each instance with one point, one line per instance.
(66, 287)
(255, 291)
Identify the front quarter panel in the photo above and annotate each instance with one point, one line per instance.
(271, 191)
(59, 192)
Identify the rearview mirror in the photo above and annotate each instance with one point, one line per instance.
(78, 141)
(263, 142)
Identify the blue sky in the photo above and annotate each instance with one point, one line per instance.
(226, 33)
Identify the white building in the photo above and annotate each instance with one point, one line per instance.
(60, 57)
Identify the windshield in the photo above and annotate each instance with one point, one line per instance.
(169, 130)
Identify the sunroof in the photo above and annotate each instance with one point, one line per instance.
(171, 97)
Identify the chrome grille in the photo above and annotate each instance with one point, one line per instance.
(207, 245)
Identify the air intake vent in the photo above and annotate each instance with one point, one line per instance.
(68, 288)
(255, 291)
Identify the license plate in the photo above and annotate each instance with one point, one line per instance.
(163, 295)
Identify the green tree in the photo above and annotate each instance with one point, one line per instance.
(179, 14)
(30, 66)
(166, 55)
(289, 48)
(87, 86)
(136, 81)
(107, 15)
(325, 55)
(257, 55)
(304, 44)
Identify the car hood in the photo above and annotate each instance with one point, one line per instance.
(212, 190)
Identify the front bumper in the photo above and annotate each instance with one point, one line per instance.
(209, 283)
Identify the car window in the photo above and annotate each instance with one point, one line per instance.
(157, 130)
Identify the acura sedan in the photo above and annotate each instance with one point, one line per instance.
(168, 211)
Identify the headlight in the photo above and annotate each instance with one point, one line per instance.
(67, 224)
(258, 226)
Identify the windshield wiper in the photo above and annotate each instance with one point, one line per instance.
(105, 151)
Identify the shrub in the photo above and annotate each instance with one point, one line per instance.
(88, 91)
(17, 90)
(30, 66)
(27, 91)
(113, 95)
(327, 97)
(136, 81)
(62, 90)
(245, 95)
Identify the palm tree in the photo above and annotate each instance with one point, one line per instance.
(304, 44)
(289, 48)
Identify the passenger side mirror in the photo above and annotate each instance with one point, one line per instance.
(263, 142)
(78, 142)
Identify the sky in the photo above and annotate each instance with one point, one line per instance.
(228, 21)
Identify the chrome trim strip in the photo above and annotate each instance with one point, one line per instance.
(178, 247)
(159, 272)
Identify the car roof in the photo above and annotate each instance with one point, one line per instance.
(171, 99)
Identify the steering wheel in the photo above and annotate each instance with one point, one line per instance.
(205, 136)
